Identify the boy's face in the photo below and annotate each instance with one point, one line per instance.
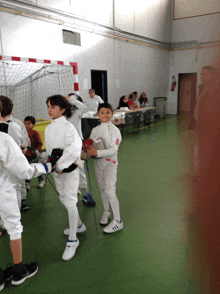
(54, 111)
(105, 114)
(28, 125)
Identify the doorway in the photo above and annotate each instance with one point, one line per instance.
(99, 83)
(187, 94)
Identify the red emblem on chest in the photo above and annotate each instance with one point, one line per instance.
(117, 141)
(108, 159)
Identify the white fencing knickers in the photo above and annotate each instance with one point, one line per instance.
(82, 179)
(9, 212)
(107, 179)
(21, 191)
(67, 186)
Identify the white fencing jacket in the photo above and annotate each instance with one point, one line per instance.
(62, 134)
(111, 137)
(14, 130)
(25, 139)
(92, 103)
(77, 114)
(14, 165)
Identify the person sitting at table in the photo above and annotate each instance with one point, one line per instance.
(131, 103)
(123, 102)
(93, 101)
(144, 100)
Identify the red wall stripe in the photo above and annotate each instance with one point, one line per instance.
(47, 61)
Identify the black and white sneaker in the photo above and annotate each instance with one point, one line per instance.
(29, 271)
(8, 272)
(24, 205)
(2, 280)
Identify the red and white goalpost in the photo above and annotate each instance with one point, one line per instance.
(28, 82)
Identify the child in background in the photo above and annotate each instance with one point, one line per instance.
(36, 143)
(75, 119)
(106, 164)
(62, 135)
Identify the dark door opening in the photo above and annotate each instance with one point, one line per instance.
(99, 83)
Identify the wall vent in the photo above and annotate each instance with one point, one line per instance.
(71, 38)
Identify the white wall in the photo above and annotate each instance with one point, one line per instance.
(130, 66)
(202, 29)
(149, 18)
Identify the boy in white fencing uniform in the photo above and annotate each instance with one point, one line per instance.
(14, 165)
(16, 132)
(75, 119)
(105, 164)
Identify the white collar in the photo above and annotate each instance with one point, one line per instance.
(59, 119)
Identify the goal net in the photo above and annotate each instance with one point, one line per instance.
(29, 84)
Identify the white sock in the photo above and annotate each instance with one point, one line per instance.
(105, 201)
(85, 191)
(115, 208)
(73, 218)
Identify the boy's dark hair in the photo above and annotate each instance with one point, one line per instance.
(7, 106)
(105, 105)
(135, 93)
(31, 119)
(62, 102)
(0, 106)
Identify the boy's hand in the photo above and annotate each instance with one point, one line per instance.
(91, 151)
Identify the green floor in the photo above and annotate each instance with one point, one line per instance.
(149, 255)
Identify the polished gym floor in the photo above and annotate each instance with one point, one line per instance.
(154, 253)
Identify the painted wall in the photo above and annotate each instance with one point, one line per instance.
(149, 18)
(202, 29)
(130, 66)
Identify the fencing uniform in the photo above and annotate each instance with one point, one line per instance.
(13, 166)
(62, 134)
(106, 165)
(25, 139)
(75, 119)
(92, 103)
(14, 130)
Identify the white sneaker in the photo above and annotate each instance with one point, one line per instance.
(41, 184)
(114, 226)
(105, 217)
(70, 249)
(80, 229)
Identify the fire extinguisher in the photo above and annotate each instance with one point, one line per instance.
(173, 83)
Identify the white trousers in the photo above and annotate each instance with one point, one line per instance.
(10, 212)
(107, 179)
(21, 191)
(67, 186)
